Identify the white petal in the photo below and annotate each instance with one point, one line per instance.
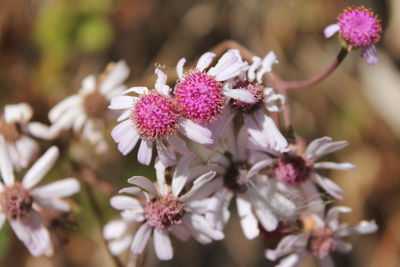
(162, 244)
(266, 65)
(160, 173)
(124, 115)
(253, 67)
(180, 175)
(205, 61)
(199, 223)
(145, 152)
(21, 112)
(6, 168)
(59, 109)
(364, 227)
(332, 217)
(133, 215)
(330, 30)
(40, 130)
(228, 66)
(167, 157)
(120, 245)
(178, 144)
(117, 76)
(315, 144)
(329, 186)
(141, 238)
(195, 131)
(334, 165)
(181, 232)
(140, 90)
(239, 94)
(265, 216)
(217, 127)
(53, 203)
(343, 246)
(248, 221)
(259, 166)
(114, 229)
(144, 183)
(40, 167)
(121, 102)
(88, 85)
(119, 131)
(128, 140)
(179, 68)
(33, 234)
(370, 54)
(62, 188)
(197, 184)
(161, 82)
(327, 148)
(125, 202)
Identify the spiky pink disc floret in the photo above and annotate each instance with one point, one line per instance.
(155, 116)
(292, 169)
(164, 211)
(200, 96)
(359, 26)
(256, 90)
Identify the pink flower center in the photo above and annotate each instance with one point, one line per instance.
(164, 212)
(95, 105)
(292, 169)
(200, 97)
(10, 131)
(155, 116)
(322, 241)
(15, 201)
(256, 90)
(359, 26)
(235, 177)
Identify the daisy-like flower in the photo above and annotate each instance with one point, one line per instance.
(165, 209)
(17, 129)
(154, 117)
(321, 237)
(265, 97)
(86, 111)
(21, 203)
(358, 27)
(201, 94)
(287, 165)
(258, 198)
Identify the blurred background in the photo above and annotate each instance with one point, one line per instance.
(48, 46)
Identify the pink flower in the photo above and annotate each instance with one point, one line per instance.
(320, 240)
(358, 27)
(165, 208)
(155, 117)
(201, 94)
(17, 129)
(22, 204)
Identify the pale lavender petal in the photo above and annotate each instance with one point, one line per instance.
(259, 166)
(141, 238)
(114, 229)
(228, 66)
(330, 30)
(181, 232)
(266, 65)
(144, 183)
(364, 227)
(195, 131)
(239, 94)
(314, 145)
(334, 165)
(125, 202)
(6, 168)
(370, 54)
(53, 203)
(328, 148)
(197, 184)
(267, 219)
(118, 75)
(162, 244)
(248, 221)
(332, 217)
(133, 215)
(329, 186)
(179, 68)
(205, 61)
(121, 102)
(178, 144)
(61, 188)
(145, 152)
(40, 168)
(199, 223)
(181, 172)
(167, 157)
(160, 173)
(217, 127)
(33, 234)
(161, 82)
(197, 234)
(251, 73)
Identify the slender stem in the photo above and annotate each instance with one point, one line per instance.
(310, 82)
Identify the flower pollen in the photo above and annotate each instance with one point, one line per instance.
(200, 96)
(322, 242)
(256, 90)
(359, 26)
(155, 116)
(164, 211)
(95, 105)
(15, 201)
(292, 169)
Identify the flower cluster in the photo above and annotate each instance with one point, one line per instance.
(218, 137)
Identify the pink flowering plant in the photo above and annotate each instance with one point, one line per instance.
(218, 136)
